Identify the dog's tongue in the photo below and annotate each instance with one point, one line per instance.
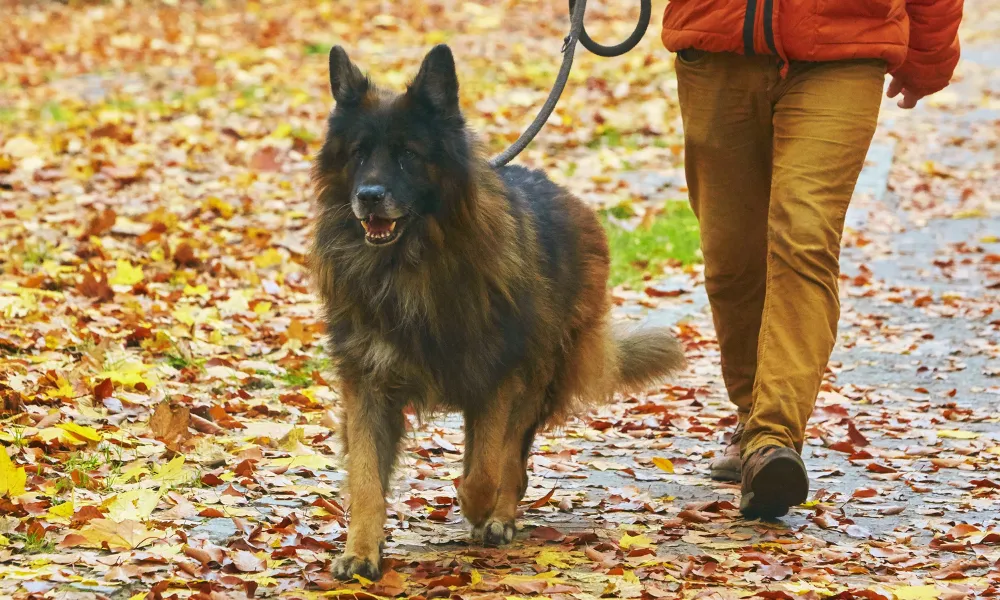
(377, 225)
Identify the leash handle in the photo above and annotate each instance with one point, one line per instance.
(577, 31)
(645, 11)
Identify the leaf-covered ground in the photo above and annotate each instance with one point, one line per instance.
(170, 416)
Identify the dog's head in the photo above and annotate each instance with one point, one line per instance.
(392, 160)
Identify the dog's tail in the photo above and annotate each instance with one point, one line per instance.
(645, 357)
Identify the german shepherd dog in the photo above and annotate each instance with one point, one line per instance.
(450, 285)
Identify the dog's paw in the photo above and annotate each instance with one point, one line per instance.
(494, 532)
(348, 565)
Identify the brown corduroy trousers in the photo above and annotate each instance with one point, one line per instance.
(771, 165)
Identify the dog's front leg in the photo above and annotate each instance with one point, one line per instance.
(372, 430)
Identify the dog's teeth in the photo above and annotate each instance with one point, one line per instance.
(392, 226)
(365, 225)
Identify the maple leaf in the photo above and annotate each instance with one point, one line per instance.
(124, 535)
(170, 424)
(126, 274)
(12, 479)
(172, 473)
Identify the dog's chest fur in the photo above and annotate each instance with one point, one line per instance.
(442, 338)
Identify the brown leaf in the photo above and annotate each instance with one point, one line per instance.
(247, 562)
(84, 514)
(100, 223)
(184, 256)
(265, 159)
(891, 510)
(775, 571)
(223, 418)
(170, 424)
(694, 516)
(962, 530)
(95, 287)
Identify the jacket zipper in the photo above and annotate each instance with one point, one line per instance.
(748, 27)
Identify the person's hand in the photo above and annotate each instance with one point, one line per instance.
(909, 99)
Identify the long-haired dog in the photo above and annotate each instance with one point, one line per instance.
(451, 285)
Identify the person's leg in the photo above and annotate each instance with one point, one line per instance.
(727, 144)
(824, 118)
(726, 113)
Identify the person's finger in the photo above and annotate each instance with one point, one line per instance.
(908, 100)
(895, 86)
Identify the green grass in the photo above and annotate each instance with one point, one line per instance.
(313, 49)
(302, 376)
(673, 235)
(34, 543)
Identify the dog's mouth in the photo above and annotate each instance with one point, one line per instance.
(380, 231)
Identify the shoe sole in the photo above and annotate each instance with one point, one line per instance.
(780, 484)
(725, 475)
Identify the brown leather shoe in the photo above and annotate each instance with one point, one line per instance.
(726, 467)
(774, 480)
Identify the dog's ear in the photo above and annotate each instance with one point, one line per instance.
(436, 85)
(347, 82)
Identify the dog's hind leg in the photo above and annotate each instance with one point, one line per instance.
(372, 430)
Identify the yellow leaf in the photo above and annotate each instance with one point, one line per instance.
(12, 478)
(4, 540)
(916, 592)
(61, 512)
(200, 290)
(262, 307)
(634, 541)
(173, 472)
(283, 130)
(956, 434)
(522, 578)
(133, 505)
(65, 390)
(664, 464)
(309, 461)
(134, 472)
(139, 596)
(81, 431)
(126, 274)
(220, 206)
(363, 580)
(127, 535)
(555, 558)
(268, 258)
(129, 373)
(476, 578)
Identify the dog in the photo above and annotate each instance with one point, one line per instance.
(450, 285)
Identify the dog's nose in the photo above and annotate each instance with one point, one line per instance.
(371, 194)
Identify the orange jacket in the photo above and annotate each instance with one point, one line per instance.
(918, 39)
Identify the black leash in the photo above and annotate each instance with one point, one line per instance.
(577, 32)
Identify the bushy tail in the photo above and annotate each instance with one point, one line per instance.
(645, 357)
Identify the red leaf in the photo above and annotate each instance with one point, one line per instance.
(543, 500)
(844, 447)
(550, 534)
(856, 437)
(103, 390)
(878, 468)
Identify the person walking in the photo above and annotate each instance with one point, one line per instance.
(779, 101)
